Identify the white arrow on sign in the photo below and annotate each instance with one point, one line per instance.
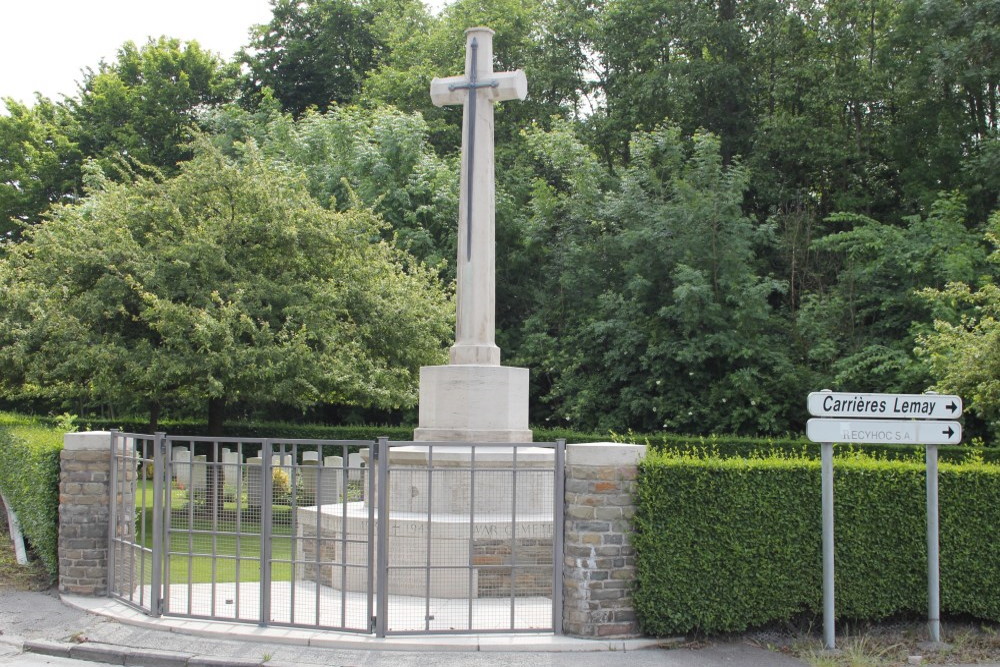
(875, 431)
(884, 406)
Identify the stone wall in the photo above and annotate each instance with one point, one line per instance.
(599, 560)
(84, 513)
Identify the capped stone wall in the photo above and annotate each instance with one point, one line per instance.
(599, 559)
(84, 513)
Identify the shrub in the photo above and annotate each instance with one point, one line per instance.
(29, 479)
(724, 544)
(741, 447)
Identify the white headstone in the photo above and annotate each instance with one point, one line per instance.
(330, 475)
(355, 464)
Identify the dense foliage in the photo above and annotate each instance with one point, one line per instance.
(704, 210)
(29, 481)
(225, 283)
(724, 544)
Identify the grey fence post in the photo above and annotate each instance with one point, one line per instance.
(558, 519)
(382, 546)
(160, 477)
(266, 518)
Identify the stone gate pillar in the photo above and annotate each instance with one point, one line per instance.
(598, 557)
(84, 513)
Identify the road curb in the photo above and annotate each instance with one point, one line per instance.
(117, 655)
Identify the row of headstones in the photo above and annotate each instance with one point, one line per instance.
(320, 484)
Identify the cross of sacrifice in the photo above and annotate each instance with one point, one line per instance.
(478, 89)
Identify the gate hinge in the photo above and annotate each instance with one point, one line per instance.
(373, 625)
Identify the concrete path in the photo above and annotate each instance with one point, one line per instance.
(40, 629)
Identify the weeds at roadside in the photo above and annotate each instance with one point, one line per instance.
(15, 577)
(896, 644)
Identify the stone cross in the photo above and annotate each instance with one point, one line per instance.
(477, 89)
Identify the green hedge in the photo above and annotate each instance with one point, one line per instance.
(725, 544)
(741, 447)
(29, 480)
(308, 431)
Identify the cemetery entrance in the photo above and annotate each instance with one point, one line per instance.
(362, 536)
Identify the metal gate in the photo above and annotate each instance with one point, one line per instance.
(363, 536)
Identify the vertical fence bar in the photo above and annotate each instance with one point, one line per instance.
(430, 514)
(167, 530)
(513, 538)
(345, 459)
(558, 517)
(190, 528)
(373, 472)
(829, 605)
(113, 519)
(933, 556)
(212, 470)
(160, 473)
(382, 547)
(266, 499)
(318, 560)
(472, 528)
(293, 540)
(138, 542)
(238, 527)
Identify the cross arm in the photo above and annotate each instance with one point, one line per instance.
(453, 89)
(443, 93)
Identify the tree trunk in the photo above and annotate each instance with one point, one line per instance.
(154, 416)
(213, 482)
(216, 416)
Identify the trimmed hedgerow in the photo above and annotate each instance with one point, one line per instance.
(29, 480)
(742, 446)
(725, 544)
(238, 429)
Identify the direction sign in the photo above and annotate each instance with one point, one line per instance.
(882, 431)
(884, 406)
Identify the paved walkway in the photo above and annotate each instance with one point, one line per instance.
(35, 625)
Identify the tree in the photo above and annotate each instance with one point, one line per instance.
(651, 312)
(313, 53)
(861, 328)
(533, 35)
(963, 349)
(39, 162)
(226, 283)
(142, 104)
(349, 156)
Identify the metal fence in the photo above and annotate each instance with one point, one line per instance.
(134, 564)
(364, 536)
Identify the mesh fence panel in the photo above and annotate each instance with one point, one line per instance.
(283, 532)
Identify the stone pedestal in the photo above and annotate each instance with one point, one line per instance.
(468, 403)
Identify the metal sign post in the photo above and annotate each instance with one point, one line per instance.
(883, 419)
(829, 635)
(933, 568)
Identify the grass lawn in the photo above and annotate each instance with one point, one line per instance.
(234, 540)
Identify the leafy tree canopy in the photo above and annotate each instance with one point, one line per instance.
(40, 162)
(314, 52)
(140, 105)
(225, 282)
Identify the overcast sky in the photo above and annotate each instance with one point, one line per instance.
(45, 43)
